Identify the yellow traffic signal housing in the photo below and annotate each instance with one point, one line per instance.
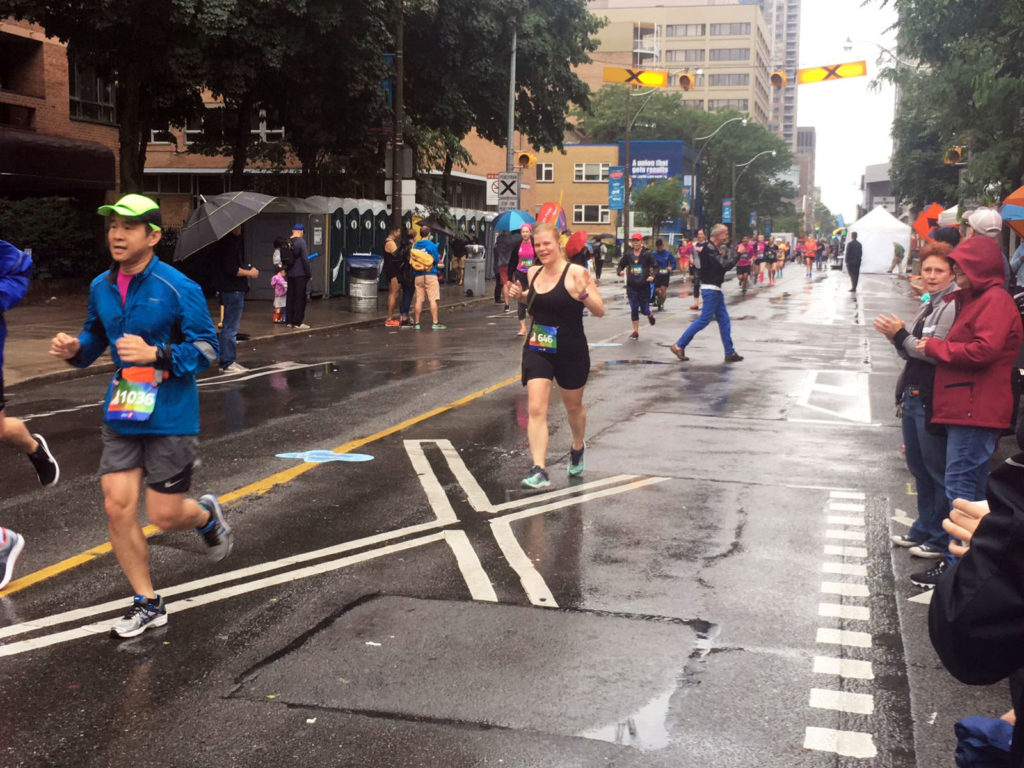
(638, 77)
(953, 156)
(831, 72)
(526, 160)
(778, 79)
(686, 81)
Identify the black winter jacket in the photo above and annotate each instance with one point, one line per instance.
(976, 619)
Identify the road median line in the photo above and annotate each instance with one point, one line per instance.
(257, 488)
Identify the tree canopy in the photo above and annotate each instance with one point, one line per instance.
(662, 115)
(962, 86)
(658, 202)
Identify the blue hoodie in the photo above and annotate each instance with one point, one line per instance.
(167, 310)
(15, 271)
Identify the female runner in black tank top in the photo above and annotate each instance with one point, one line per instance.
(555, 347)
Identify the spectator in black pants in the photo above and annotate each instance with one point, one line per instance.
(854, 251)
(298, 279)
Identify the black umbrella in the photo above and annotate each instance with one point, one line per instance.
(436, 226)
(215, 217)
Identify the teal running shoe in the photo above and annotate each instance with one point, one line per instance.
(576, 462)
(537, 479)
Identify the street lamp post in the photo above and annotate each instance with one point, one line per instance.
(736, 177)
(630, 119)
(695, 191)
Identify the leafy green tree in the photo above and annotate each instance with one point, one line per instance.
(965, 90)
(457, 56)
(149, 49)
(662, 116)
(658, 202)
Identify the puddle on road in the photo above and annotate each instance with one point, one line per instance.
(623, 363)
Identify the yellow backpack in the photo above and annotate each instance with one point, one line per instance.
(421, 260)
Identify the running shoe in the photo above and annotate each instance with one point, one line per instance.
(415, 326)
(901, 540)
(216, 534)
(391, 323)
(439, 327)
(733, 358)
(521, 332)
(634, 335)
(12, 545)
(538, 478)
(694, 306)
(576, 461)
(301, 327)
(234, 368)
(650, 318)
(144, 613)
(46, 466)
(679, 352)
(928, 579)
(927, 551)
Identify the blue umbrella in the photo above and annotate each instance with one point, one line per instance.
(510, 221)
(1014, 216)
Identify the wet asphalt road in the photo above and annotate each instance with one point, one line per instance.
(678, 605)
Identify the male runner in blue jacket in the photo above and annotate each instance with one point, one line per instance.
(158, 328)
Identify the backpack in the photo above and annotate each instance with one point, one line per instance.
(421, 260)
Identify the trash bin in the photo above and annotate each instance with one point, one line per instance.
(363, 271)
(475, 270)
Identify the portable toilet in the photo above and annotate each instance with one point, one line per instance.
(337, 284)
(367, 219)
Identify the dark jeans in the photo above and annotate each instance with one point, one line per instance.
(713, 309)
(854, 269)
(598, 266)
(234, 302)
(295, 309)
(968, 453)
(926, 460)
(407, 293)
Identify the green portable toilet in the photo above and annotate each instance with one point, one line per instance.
(381, 221)
(337, 281)
(367, 220)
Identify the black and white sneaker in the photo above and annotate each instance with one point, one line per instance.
(902, 540)
(928, 579)
(45, 465)
(216, 534)
(11, 547)
(144, 614)
(927, 551)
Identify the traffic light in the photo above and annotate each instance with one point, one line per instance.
(778, 79)
(686, 81)
(953, 156)
(526, 160)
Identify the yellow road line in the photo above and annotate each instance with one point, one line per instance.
(258, 488)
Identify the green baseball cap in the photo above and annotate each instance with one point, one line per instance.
(137, 208)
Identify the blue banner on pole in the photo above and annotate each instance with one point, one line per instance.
(727, 211)
(616, 187)
(753, 219)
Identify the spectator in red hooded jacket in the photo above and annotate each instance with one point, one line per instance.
(973, 397)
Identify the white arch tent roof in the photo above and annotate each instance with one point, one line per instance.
(877, 231)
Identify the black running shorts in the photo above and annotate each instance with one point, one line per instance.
(661, 281)
(570, 372)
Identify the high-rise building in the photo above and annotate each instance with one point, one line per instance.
(806, 148)
(783, 20)
(723, 45)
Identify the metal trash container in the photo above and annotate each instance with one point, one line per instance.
(363, 272)
(475, 272)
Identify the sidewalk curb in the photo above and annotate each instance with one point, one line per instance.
(71, 373)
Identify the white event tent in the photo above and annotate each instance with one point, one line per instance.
(877, 231)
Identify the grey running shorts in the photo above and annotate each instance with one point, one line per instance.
(166, 459)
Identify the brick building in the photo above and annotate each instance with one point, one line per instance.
(58, 131)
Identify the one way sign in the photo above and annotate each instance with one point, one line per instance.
(508, 191)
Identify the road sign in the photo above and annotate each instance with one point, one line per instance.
(492, 188)
(831, 72)
(644, 77)
(508, 191)
(727, 211)
(616, 187)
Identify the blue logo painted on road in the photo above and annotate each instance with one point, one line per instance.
(322, 457)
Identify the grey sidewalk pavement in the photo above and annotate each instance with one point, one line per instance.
(30, 327)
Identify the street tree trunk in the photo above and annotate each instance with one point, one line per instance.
(240, 143)
(133, 138)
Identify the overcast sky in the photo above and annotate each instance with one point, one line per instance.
(852, 120)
